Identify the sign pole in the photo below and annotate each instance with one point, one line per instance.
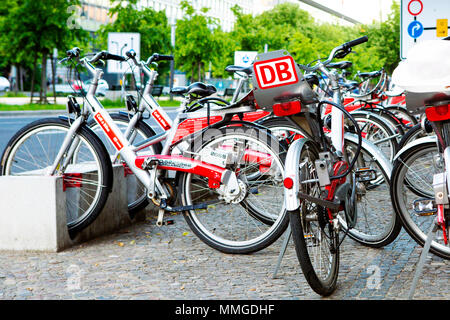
(172, 63)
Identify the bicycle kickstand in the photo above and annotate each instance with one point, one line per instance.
(282, 250)
(426, 248)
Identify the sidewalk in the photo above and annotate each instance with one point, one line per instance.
(148, 262)
(26, 100)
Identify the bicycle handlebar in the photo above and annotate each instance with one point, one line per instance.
(355, 42)
(341, 50)
(159, 57)
(104, 55)
(131, 54)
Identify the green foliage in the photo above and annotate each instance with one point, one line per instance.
(31, 28)
(151, 24)
(195, 41)
(38, 28)
(384, 42)
(288, 27)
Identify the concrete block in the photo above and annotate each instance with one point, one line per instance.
(114, 215)
(33, 213)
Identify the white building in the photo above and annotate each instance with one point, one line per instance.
(95, 12)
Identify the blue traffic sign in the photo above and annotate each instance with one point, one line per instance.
(415, 29)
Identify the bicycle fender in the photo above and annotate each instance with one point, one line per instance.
(374, 151)
(414, 143)
(291, 200)
(372, 114)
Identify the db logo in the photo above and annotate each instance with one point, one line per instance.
(275, 72)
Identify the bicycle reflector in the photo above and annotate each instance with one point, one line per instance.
(287, 108)
(438, 113)
(288, 183)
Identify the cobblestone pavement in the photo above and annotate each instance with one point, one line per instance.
(147, 262)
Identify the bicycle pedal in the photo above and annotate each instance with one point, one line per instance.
(424, 207)
(365, 174)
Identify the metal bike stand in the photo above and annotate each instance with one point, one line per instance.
(282, 250)
(423, 256)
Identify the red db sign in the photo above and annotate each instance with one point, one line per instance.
(275, 72)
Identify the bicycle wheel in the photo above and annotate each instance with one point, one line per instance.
(377, 131)
(87, 176)
(283, 129)
(414, 133)
(377, 224)
(314, 237)
(136, 194)
(417, 166)
(395, 124)
(252, 220)
(407, 119)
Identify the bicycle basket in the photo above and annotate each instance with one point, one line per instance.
(425, 75)
(279, 82)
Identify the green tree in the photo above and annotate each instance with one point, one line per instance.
(273, 27)
(195, 41)
(39, 27)
(288, 27)
(152, 25)
(384, 41)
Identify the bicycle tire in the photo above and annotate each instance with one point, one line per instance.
(386, 222)
(410, 119)
(218, 236)
(391, 147)
(412, 134)
(308, 226)
(415, 225)
(388, 116)
(364, 237)
(93, 144)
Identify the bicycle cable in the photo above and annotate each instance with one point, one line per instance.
(359, 133)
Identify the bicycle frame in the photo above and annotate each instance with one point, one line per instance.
(148, 103)
(142, 169)
(337, 141)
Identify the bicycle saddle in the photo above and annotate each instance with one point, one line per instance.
(312, 79)
(372, 74)
(198, 89)
(340, 65)
(247, 70)
(346, 73)
(350, 85)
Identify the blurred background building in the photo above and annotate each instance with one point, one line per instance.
(94, 13)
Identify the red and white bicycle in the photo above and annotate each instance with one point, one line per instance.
(336, 182)
(204, 112)
(226, 178)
